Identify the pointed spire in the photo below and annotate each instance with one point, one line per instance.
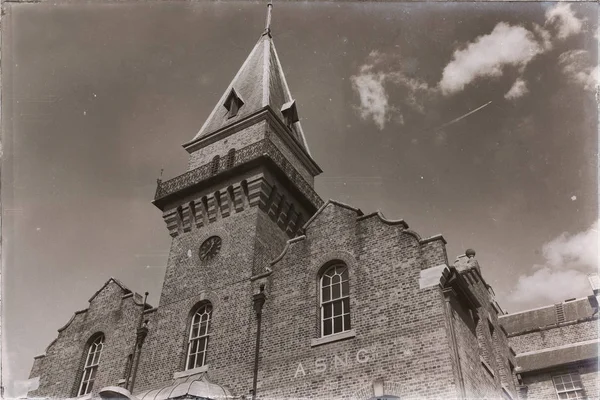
(260, 82)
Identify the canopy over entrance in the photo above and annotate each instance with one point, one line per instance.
(195, 386)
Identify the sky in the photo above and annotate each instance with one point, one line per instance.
(477, 121)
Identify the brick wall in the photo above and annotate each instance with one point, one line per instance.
(252, 234)
(547, 329)
(554, 337)
(400, 329)
(487, 355)
(541, 387)
(237, 140)
(110, 313)
(288, 153)
(244, 137)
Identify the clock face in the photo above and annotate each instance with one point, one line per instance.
(210, 248)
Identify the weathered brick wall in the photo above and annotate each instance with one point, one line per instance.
(237, 140)
(288, 153)
(243, 138)
(489, 369)
(554, 337)
(251, 237)
(400, 329)
(549, 327)
(541, 387)
(110, 313)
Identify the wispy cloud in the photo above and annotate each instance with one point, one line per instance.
(370, 83)
(373, 97)
(543, 36)
(488, 55)
(562, 19)
(568, 260)
(518, 89)
(387, 89)
(577, 66)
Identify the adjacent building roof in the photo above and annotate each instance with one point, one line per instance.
(573, 310)
(260, 82)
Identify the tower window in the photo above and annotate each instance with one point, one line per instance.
(230, 158)
(233, 103)
(290, 113)
(198, 340)
(90, 368)
(214, 168)
(568, 386)
(335, 300)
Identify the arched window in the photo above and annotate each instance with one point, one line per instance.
(91, 366)
(335, 300)
(230, 158)
(214, 168)
(198, 342)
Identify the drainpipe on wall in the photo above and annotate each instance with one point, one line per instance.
(141, 335)
(450, 311)
(258, 300)
(137, 346)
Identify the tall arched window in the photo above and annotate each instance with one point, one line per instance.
(335, 300)
(91, 366)
(198, 341)
(230, 158)
(214, 167)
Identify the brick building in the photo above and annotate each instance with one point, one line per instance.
(271, 292)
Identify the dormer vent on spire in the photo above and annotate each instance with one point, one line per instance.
(259, 86)
(290, 113)
(233, 103)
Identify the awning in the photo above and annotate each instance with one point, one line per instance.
(193, 386)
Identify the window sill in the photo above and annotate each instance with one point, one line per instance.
(333, 338)
(190, 372)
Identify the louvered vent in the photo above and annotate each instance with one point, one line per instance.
(560, 313)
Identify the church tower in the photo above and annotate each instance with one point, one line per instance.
(249, 184)
(248, 189)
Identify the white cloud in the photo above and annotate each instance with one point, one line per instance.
(576, 65)
(487, 55)
(518, 89)
(379, 72)
(544, 37)
(547, 286)
(563, 20)
(373, 97)
(578, 250)
(569, 258)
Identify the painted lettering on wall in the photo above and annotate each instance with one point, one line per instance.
(336, 362)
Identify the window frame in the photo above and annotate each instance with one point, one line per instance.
(199, 337)
(94, 348)
(578, 391)
(343, 299)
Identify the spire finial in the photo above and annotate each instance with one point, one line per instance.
(268, 24)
